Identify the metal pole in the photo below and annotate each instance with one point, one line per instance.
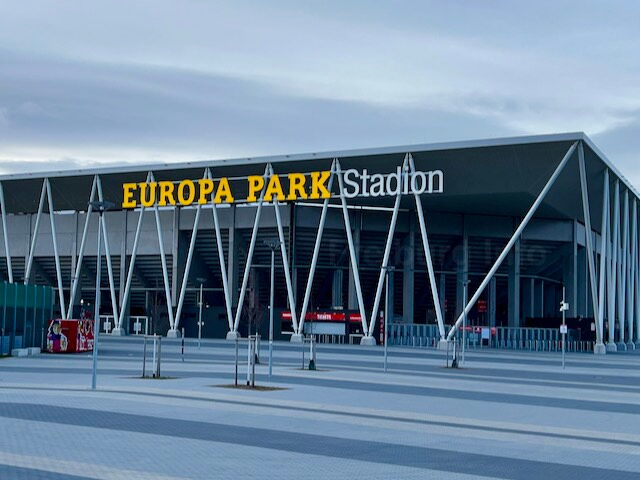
(182, 345)
(564, 324)
(236, 374)
(144, 356)
(96, 320)
(5, 234)
(200, 318)
(271, 295)
(386, 317)
(514, 238)
(604, 240)
(465, 286)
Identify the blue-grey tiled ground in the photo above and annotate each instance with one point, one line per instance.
(506, 415)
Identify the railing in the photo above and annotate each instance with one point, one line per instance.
(507, 338)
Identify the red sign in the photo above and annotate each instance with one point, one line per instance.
(324, 316)
(70, 336)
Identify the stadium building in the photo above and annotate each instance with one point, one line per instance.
(489, 234)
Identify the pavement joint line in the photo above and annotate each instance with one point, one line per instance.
(70, 467)
(427, 419)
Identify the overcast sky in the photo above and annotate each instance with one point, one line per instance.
(88, 82)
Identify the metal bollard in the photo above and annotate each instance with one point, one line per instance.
(182, 345)
(144, 356)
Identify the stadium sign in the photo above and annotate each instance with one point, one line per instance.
(285, 187)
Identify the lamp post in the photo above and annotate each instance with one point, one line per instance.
(100, 207)
(273, 245)
(201, 280)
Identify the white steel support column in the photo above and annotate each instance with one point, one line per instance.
(3, 211)
(427, 255)
(352, 252)
(187, 267)
(247, 267)
(622, 296)
(163, 259)
(76, 275)
(132, 262)
(387, 251)
(512, 240)
(604, 240)
(631, 286)
(613, 269)
(314, 258)
(285, 261)
(599, 347)
(107, 254)
(32, 249)
(223, 266)
(55, 250)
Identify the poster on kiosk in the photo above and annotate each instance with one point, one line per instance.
(70, 336)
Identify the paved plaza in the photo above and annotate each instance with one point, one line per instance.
(511, 415)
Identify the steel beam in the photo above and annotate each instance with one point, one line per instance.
(185, 277)
(163, 260)
(352, 252)
(427, 254)
(132, 262)
(27, 272)
(316, 252)
(613, 267)
(387, 251)
(252, 246)
(513, 239)
(107, 253)
(77, 272)
(604, 240)
(223, 266)
(285, 261)
(599, 348)
(55, 250)
(5, 236)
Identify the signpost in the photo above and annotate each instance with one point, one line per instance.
(564, 306)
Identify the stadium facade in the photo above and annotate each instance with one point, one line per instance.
(489, 232)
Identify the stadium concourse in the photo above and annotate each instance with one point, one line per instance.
(493, 233)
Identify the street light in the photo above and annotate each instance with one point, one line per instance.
(100, 207)
(272, 245)
(201, 280)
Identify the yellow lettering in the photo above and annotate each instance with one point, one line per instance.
(188, 200)
(127, 199)
(206, 187)
(256, 183)
(147, 201)
(223, 191)
(318, 184)
(166, 194)
(296, 186)
(274, 187)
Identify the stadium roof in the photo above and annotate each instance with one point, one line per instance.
(498, 176)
